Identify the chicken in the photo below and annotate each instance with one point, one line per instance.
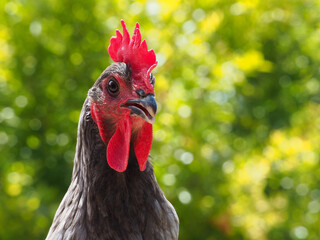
(114, 193)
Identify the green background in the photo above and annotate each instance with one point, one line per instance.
(236, 139)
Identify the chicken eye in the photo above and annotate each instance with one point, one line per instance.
(113, 87)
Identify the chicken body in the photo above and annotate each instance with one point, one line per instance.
(102, 203)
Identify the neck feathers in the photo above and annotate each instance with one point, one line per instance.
(104, 204)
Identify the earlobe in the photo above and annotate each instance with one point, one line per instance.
(92, 111)
(95, 117)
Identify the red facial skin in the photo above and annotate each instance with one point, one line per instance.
(118, 128)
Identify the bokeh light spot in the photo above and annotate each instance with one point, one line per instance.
(35, 124)
(33, 142)
(62, 139)
(76, 58)
(185, 111)
(169, 179)
(186, 157)
(33, 203)
(302, 189)
(301, 232)
(199, 14)
(35, 28)
(7, 113)
(228, 166)
(153, 8)
(14, 189)
(3, 138)
(21, 101)
(207, 201)
(314, 206)
(286, 182)
(185, 197)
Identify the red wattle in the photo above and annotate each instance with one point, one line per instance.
(143, 144)
(119, 146)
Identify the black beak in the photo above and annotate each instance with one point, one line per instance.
(145, 108)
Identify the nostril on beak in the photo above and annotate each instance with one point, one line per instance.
(141, 93)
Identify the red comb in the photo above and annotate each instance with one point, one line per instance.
(132, 51)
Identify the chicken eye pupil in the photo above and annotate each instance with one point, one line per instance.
(113, 87)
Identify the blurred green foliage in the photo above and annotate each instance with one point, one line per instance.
(236, 140)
